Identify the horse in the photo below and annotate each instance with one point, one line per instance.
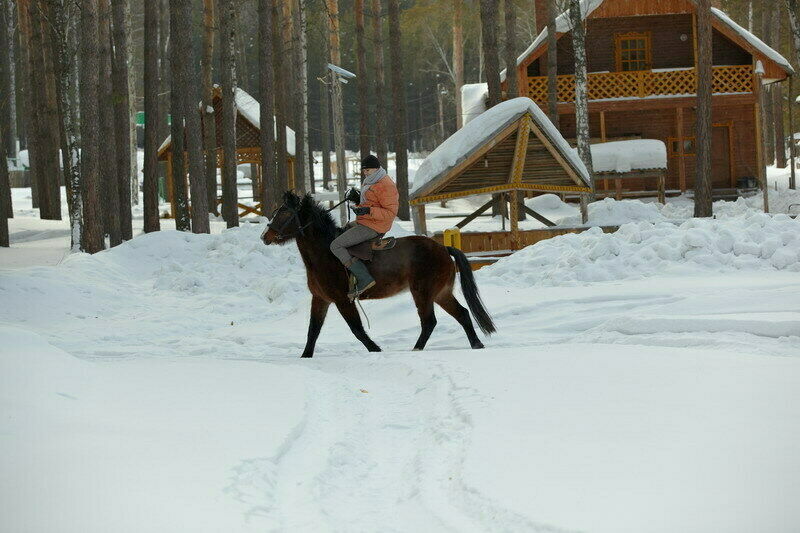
(416, 263)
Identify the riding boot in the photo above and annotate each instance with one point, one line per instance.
(364, 280)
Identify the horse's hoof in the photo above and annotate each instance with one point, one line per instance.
(478, 346)
(375, 349)
(415, 349)
(306, 356)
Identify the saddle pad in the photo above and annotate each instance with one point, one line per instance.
(364, 250)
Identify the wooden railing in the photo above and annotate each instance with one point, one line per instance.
(644, 83)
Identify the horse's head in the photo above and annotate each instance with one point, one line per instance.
(285, 222)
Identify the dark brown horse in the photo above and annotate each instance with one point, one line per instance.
(419, 264)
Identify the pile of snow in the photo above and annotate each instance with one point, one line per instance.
(610, 212)
(473, 100)
(480, 130)
(752, 242)
(624, 156)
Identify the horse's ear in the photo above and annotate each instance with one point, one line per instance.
(291, 199)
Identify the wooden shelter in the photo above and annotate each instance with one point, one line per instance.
(248, 144)
(641, 58)
(511, 149)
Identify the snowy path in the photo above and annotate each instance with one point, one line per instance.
(156, 387)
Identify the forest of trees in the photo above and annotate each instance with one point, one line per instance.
(74, 74)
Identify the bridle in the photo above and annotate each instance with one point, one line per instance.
(295, 217)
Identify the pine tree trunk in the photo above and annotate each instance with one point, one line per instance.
(152, 114)
(25, 96)
(90, 129)
(399, 127)
(164, 56)
(491, 60)
(512, 83)
(69, 121)
(777, 93)
(793, 8)
(581, 94)
(227, 32)
(108, 161)
(5, 81)
(179, 193)
(5, 191)
(122, 116)
(301, 94)
(361, 81)
(209, 121)
(190, 97)
(13, 50)
(702, 180)
(52, 118)
(133, 144)
(769, 112)
(325, 122)
(552, 62)
(381, 144)
(281, 101)
(458, 58)
(271, 188)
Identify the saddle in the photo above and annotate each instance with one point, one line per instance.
(364, 250)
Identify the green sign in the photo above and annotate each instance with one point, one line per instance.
(140, 119)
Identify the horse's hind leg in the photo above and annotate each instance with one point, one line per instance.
(448, 302)
(350, 314)
(426, 317)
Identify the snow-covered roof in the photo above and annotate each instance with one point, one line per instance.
(464, 142)
(250, 109)
(588, 6)
(625, 156)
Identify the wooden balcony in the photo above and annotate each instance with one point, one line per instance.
(735, 79)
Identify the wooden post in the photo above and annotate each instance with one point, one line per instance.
(792, 141)
(418, 216)
(661, 188)
(603, 139)
(681, 160)
(170, 178)
(762, 171)
(514, 218)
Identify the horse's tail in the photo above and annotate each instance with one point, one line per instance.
(470, 290)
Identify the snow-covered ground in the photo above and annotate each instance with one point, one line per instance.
(643, 381)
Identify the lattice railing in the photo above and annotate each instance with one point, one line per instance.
(644, 83)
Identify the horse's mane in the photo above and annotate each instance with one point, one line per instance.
(309, 210)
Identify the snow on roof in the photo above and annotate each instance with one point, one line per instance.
(473, 100)
(250, 109)
(588, 6)
(625, 156)
(481, 129)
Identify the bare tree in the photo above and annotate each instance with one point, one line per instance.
(491, 60)
(122, 116)
(381, 145)
(90, 129)
(300, 71)
(702, 180)
(227, 32)
(209, 122)
(552, 62)
(581, 85)
(281, 99)
(512, 83)
(152, 116)
(361, 80)
(458, 58)
(271, 187)
(178, 127)
(399, 104)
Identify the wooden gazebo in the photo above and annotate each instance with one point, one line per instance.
(248, 145)
(511, 149)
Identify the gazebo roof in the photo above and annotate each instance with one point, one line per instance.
(248, 124)
(512, 146)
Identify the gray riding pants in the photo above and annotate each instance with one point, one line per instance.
(351, 237)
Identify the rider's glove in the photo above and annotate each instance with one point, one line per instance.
(353, 196)
(360, 210)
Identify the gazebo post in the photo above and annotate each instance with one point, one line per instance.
(514, 218)
(584, 209)
(418, 216)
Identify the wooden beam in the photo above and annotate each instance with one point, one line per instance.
(475, 214)
(642, 104)
(418, 216)
(520, 150)
(681, 159)
(544, 220)
(513, 200)
(500, 188)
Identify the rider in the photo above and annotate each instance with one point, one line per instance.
(377, 205)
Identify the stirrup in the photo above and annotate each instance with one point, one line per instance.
(353, 294)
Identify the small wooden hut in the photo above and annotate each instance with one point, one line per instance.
(248, 144)
(511, 149)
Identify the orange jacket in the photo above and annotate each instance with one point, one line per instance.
(383, 201)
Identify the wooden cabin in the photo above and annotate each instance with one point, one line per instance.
(641, 61)
(248, 144)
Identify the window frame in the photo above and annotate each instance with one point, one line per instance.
(671, 152)
(630, 36)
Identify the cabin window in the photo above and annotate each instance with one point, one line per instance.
(633, 51)
(674, 146)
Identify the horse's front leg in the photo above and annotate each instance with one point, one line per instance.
(319, 309)
(350, 314)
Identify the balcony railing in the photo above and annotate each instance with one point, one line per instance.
(645, 83)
